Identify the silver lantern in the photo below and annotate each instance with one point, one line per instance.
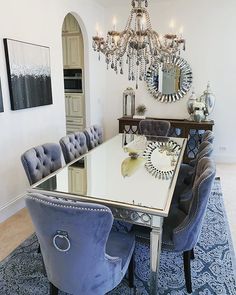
(128, 102)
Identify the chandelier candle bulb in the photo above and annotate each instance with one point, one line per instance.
(181, 31)
(143, 22)
(172, 25)
(114, 23)
(97, 29)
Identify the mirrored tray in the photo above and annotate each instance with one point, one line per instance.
(161, 158)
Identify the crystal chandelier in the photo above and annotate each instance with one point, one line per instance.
(138, 45)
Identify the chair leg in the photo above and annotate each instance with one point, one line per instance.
(187, 270)
(192, 254)
(53, 289)
(131, 272)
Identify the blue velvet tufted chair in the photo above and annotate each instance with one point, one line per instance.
(187, 171)
(94, 136)
(81, 255)
(182, 227)
(73, 146)
(154, 127)
(208, 136)
(40, 161)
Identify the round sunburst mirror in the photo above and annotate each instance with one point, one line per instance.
(169, 79)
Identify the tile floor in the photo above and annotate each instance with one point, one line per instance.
(17, 228)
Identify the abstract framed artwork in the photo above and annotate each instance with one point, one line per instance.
(29, 74)
(1, 103)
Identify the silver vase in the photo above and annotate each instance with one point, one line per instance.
(208, 99)
(196, 108)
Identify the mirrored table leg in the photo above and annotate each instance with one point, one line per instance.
(155, 251)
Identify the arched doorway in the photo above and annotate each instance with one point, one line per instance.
(73, 64)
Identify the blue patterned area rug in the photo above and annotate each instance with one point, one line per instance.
(213, 269)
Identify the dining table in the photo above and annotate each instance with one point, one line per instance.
(134, 175)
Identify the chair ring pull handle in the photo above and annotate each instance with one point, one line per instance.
(61, 237)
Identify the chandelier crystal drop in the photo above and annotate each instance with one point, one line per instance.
(138, 45)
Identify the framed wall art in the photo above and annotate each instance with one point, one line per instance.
(1, 103)
(29, 74)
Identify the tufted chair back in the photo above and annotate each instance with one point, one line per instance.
(40, 161)
(73, 239)
(73, 146)
(208, 136)
(186, 234)
(205, 150)
(94, 136)
(154, 127)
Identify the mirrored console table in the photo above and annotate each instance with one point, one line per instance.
(179, 128)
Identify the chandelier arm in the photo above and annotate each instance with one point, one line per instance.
(151, 42)
(107, 51)
(122, 53)
(128, 24)
(148, 21)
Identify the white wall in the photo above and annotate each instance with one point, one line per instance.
(209, 29)
(40, 22)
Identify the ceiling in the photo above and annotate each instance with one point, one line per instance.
(113, 2)
(108, 3)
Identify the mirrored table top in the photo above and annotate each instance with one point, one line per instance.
(130, 171)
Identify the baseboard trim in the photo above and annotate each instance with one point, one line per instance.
(12, 207)
(219, 158)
